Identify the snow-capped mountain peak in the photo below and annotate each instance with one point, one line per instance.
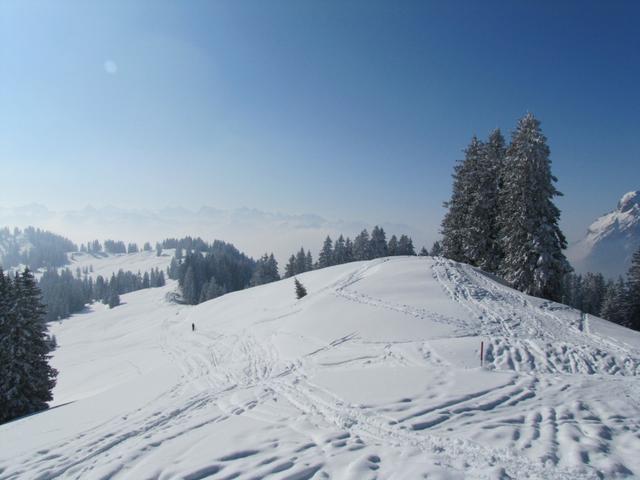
(611, 240)
(629, 201)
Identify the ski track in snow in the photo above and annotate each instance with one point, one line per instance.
(534, 417)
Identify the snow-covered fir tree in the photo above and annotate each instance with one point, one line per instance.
(392, 246)
(632, 307)
(348, 250)
(405, 246)
(266, 270)
(362, 246)
(379, 247)
(308, 262)
(26, 378)
(455, 225)
(614, 302)
(530, 237)
(481, 238)
(325, 257)
(290, 267)
(301, 262)
(189, 288)
(339, 251)
(436, 249)
(300, 290)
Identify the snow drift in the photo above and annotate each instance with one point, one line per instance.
(374, 374)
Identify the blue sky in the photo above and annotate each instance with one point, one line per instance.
(354, 110)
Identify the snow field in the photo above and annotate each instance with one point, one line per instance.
(374, 374)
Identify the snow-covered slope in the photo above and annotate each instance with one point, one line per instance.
(105, 263)
(374, 374)
(611, 240)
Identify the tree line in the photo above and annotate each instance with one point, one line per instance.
(26, 378)
(501, 216)
(34, 248)
(206, 271)
(364, 246)
(64, 294)
(113, 246)
(615, 300)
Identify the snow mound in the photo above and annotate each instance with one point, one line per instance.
(374, 374)
(611, 240)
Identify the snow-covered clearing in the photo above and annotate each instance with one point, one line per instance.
(375, 374)
(106, 263)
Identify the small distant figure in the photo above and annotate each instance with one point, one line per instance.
(193, 327)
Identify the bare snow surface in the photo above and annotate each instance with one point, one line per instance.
(375, 374)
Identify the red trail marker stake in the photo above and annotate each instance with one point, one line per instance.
(481, 352)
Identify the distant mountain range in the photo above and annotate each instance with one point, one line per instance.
(611, 240)
(251, 230)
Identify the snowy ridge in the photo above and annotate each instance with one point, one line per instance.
(611, 240)
(373, 375)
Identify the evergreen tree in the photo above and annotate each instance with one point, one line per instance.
(481, 235)
(147, 247)
(532, 241)
(210, 290)
(146, 283)
(301, 262)
(455, 225)
(348, 250)
(339, 251)
(632, 309)
(26, 378)
(423, 252)
(378, 243)
(7, 330)
(113, 298)
(290, 268)
(393, 246)
(436, 249)
(158, 249)
(613, 302)
(308, 262)
(300, 290)
(174, 268)
(362, 246)
(189, 289)
(325, 258)
(593, 286)
(405, 246)
(266, 270)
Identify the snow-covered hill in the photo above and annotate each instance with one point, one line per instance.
(374, 374)
(611, 240)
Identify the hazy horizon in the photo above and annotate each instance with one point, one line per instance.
(355, 110)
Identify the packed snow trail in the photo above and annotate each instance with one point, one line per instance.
(374, 374)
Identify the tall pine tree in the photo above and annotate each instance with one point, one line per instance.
(481, 236)
(325, 258)
(26, 378)
(531, 239)
(455, 225)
